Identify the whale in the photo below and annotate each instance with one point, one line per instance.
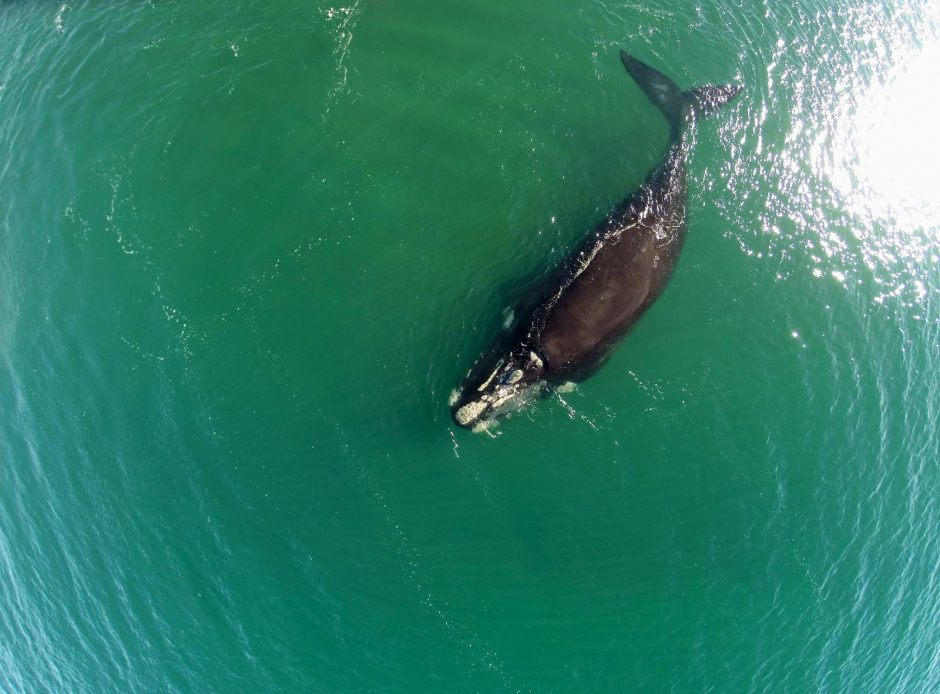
(567, 326)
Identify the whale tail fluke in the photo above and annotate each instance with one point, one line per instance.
(674, 103)
(708, 99)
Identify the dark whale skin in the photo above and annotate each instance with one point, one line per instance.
(615, 276)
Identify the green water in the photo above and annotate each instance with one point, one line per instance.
(247, 250)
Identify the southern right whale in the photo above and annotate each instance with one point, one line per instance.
(602, 289)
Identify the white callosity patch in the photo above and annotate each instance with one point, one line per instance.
(500, 401)
(488, 381)
(470, 412)
(503, 395)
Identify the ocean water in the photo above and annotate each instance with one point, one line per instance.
(248, 249)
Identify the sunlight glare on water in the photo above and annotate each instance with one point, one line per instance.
(885, 171)
(874, 156)
(895, 148)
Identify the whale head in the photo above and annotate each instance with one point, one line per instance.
(498, 386)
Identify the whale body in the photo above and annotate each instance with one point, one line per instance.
(599, 292)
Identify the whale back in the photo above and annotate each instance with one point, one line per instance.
(625, 265)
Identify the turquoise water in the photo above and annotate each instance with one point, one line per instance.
(247, 251)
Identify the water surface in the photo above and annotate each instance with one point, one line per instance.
(247, 251)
